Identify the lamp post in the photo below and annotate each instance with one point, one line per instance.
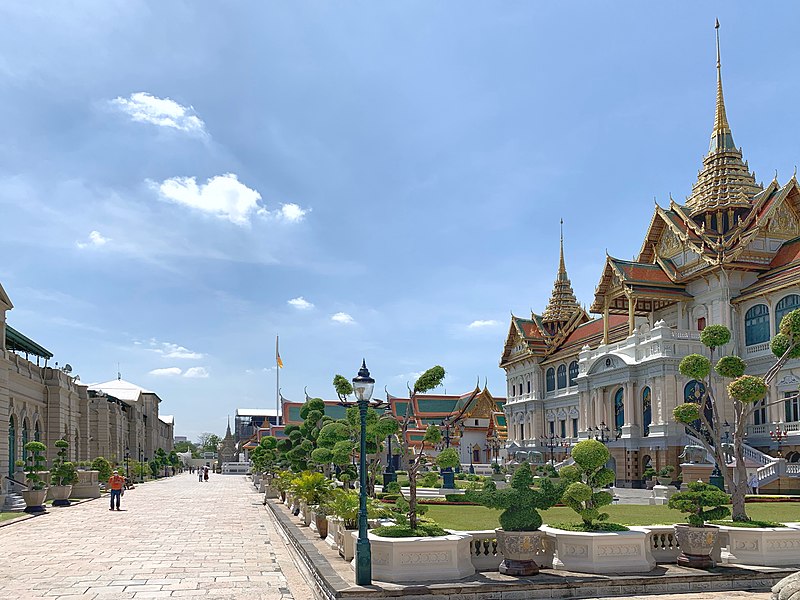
(127, 463)
(389, 474)
(448, 477)
(363, 385)
(779, 436)
(551, 441)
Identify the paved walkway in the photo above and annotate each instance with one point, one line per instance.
(174, 538)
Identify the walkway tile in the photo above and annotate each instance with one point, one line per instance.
(174, 538)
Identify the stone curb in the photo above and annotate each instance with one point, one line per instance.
(331, 586)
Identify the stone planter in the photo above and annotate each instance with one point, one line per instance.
(88, 485)
(762, 546)
(520, 550)
(321, 525)
(346, 543)
(34, 500)
(305, 514)
(60, 494)
(334, 525)
(601, 552)
(664, 480)
(401, 560)
(270, 492)
(661, 494)
(697, 544)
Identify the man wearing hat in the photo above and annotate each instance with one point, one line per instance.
(115, 484)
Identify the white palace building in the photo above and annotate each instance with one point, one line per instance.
(729, 255)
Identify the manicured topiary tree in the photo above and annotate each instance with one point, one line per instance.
(35, 464)
(744, 391)
(702, 502)
(519, 502)
(583, 482)
(447, 460)
(103, 468)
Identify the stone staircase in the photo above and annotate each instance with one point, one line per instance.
(770, 468)
(14, 503)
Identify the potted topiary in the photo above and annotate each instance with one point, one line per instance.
(447, 460)
(497, 472)
(594, 545)
(63, 475)
(312, 488)
(518, 537)
(665, 475)
(648, 474)
(702, 502)
(37, 490)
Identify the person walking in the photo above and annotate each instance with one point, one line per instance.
(116, 482)
(205, 474)
(199, 474)
(753, 483)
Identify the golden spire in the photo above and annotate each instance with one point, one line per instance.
(725, 182)
(563, 303)
(721, 137)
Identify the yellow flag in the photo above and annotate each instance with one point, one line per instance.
(278, 360)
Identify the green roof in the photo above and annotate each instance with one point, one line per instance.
(501, 420)
(294, 414)
(500, 405)
(22, 343)
(401, 407)
(336, 411)
(439, 406)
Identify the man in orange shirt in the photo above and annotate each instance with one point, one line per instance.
(116, 482)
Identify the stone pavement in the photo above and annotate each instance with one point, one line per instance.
(174, 538)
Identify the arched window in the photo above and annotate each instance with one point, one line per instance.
(562, 376)
(529, 386)
(520, 389)
(760, 413)
(694, 392)
(619, 408)
(37, 434)
(647, 411)
(756, 325)
(550, 378)
(786, 305)
(25, 439)
(573, 372)
(12, 446)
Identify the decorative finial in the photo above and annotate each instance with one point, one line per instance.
(776, 174)
(721, 137)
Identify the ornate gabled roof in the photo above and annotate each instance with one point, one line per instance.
(725, 181)
(563, 304)
(784, 272)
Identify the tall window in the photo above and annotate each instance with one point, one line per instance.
(563, 427)
(37, 434)
(520, 389)
(756, 325)
(12, 446)
(529, 386)
(619, 408)
(562, 376)
(521, 431)
(573, 372)
(552, 427)
(24, 439)
(550, 378)
(647, 410)
(760, 414)
(792, 407)
(786, 305)
(701, 323)
(574, 428)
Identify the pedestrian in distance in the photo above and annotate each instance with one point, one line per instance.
(205, 474)
(200, 475)
(753, 483)
(116, 482)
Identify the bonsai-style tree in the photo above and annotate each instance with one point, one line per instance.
(698, 497)
(584, 479)
(63, 471)
(103, 468)
(666, 471)
(519, 502)
(744, 392)
(447, 460)
(35, 464)
(264, 454)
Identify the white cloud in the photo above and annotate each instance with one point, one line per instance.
(96, 239)
(480, 324)
(170, 350)
(196, 372)
(300, 303)
(343, 317)
(164, 112)
(167, 372)
(223, 196)
(292, 213)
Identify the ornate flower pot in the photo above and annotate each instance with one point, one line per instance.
(34, 500)
(602, 552)
(664, 480)
(412, 559)
(519, 549)
(697, 544)
(334, 526)
(762, 546)
(60, 494)
(322, 525)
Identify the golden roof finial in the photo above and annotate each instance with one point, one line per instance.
(563, 303)
(562, 269)
(721, 137)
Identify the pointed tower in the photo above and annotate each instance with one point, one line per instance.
(563, 303)
(725, 186)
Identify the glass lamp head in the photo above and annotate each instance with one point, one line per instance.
(363, 383)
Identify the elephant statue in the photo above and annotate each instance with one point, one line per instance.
(693, 453)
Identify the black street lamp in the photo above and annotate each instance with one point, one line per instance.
(363, 385)
(551, 441)
(601, 433)
(448, 477)
(141, 465)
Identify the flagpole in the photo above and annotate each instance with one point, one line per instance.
(277, 384)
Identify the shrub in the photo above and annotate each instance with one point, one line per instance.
(448, 459)
(730, 367)
(715, 336)
(63, 471)
(583, 479)
(686, 413)
(666, 471)
(519, 502)
(699, 496)
(695, 366)
(103, 466)
(790, 325)
(781, 343)
(429, 479)
(35, 464)
(747, 388)
(392, 487)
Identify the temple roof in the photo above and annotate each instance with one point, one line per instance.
(563, 304)
(641, 280)
(784, 272)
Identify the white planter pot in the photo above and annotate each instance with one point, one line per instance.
(334, 526)
(270, 492)
(88, 485)
(305, 514)
(400, 560)
(34, 500)
(697, 544)
(601, 552)
(762, 546)
(520, 550)
(312, 521)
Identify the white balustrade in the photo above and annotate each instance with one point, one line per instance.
(663, 544)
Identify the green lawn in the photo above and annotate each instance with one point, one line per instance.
(479, 517)
(7, 516)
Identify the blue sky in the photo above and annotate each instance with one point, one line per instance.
(182, 181)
